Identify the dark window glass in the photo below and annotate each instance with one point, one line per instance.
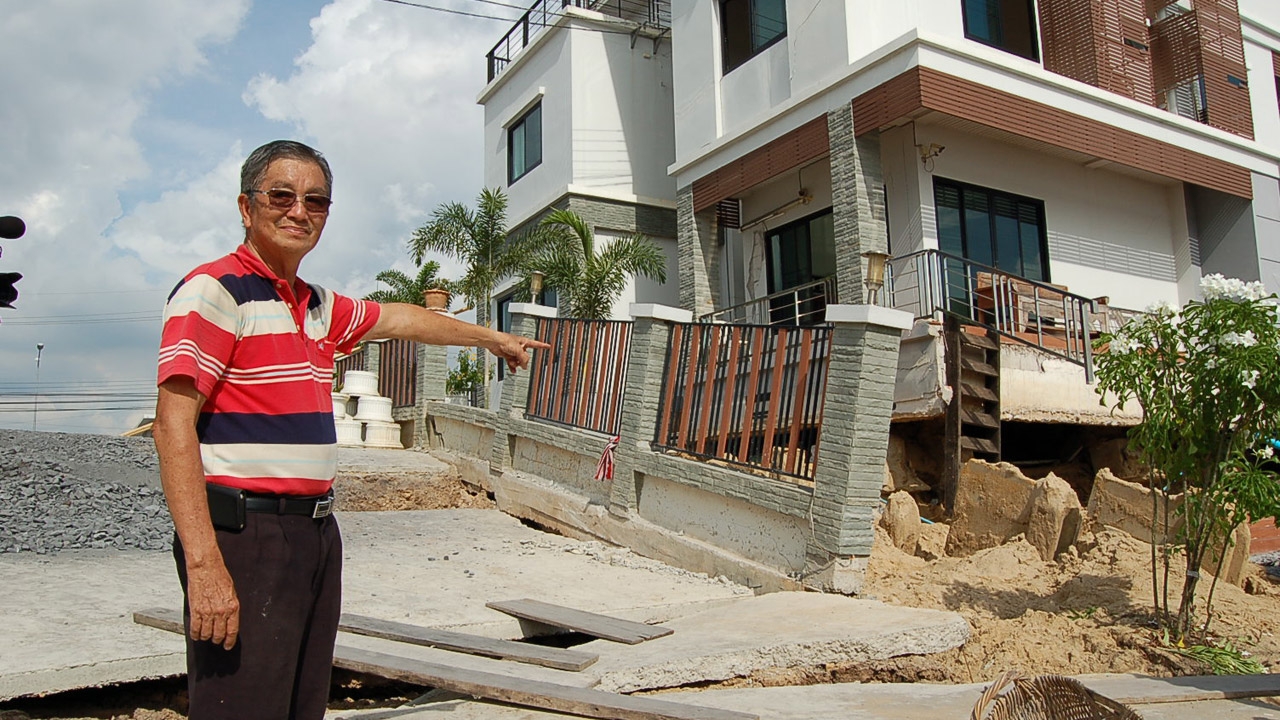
(749, 26)
(1005, 24)
(992, 228)
(799, 253)
(503, 321)
(524, 144)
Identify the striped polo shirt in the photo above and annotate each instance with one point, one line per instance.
(262, 353)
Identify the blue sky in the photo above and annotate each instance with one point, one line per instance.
(122, 132)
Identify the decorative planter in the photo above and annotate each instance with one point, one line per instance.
(339, 406)
(348, 432)
(373, 408)
(436, 299)
(382, 435)
(359, 382)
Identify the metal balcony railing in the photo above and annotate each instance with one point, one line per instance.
(1036, 313)
(801, 305)
(651, 14)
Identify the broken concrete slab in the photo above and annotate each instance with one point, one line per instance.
(1054, 523)
(69, 624)
(992, 505)
(778, 630)
(901, 518)
(854, 701)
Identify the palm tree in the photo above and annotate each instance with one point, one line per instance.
(587, 278)
(404, 289)
(478, 239)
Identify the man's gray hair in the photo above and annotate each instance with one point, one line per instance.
(255, 166)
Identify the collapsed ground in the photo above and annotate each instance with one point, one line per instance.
(1087, 612)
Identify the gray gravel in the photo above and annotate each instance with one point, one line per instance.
(61, 491)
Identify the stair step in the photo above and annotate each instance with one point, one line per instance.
(979, 367)
(986, 342)
(978, 391)
(979, 445)
(979, 419)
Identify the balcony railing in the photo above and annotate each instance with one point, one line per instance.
(801, 305)
(654, 14)
(1039, 314)
(747, 395)
(579, 381)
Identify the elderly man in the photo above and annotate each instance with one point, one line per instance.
(248, 452)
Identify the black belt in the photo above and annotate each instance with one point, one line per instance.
(316, 507)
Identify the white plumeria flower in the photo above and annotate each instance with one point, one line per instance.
(1267, 451)
(1245, 339)
(1122, 344)
(1217, 287)
(1162, 307)
(1251, 379)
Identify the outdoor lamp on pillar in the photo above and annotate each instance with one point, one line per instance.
(874, 279)
(535, 285)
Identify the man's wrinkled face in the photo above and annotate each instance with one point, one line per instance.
(276, 227)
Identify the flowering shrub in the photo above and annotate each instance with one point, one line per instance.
(1208, 380)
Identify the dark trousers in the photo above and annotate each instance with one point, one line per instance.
(287, 571)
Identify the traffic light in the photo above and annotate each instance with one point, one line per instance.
(8, 293)
(11, 228)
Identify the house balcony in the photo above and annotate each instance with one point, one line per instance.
(638, 16)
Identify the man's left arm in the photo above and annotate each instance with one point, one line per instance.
(410, 322)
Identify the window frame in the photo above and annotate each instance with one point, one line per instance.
(992, 194)
(728, 65)
(1033, 27)
(520, 125)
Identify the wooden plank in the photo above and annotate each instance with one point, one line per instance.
(466, 643)
(979, 367)
(980, 419)
(980, 392)
(601, 626)
(979, 445)
(584, 702)
(171, 621)
(972, 339)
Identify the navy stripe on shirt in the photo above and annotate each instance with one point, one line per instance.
(248, 288)
(292, 429)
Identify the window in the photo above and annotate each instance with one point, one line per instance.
(992, 228)
(800, 253)
(524, 144)
(1008, 25)
(748, 27)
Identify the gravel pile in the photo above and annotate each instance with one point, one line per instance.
(53, 495)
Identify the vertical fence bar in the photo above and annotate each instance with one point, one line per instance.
(710, 373)
(797, 405)
(695, 345)
(730, 388)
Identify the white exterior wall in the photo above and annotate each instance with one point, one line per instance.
(623, 132)
(1130, 224)
(543, 71)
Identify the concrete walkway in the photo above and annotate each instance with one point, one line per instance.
(68, 621)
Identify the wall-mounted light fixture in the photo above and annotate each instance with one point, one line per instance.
(874, 279)
(804, 198)
(535, 285)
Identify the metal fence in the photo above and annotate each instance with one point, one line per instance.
(579, 382)
(801, 305)
(398, 372)
(749, 395)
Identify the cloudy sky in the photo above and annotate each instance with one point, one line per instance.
(122, 129)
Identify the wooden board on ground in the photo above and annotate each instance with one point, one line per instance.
(1138, 690)
(465, 643)
(492, 686)
(171, 621)
(528, 693)
(601, 626)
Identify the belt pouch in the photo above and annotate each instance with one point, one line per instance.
(226, 507)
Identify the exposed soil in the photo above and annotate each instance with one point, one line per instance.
(363, 492)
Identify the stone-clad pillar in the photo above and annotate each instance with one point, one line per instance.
(698, 255)
(645, 363)
(855, 439)
(373, 357)
(515, 388)
(429, 384)
(857, 200)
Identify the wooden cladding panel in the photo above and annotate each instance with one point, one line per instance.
(1102, 44)
(1206, 43)
(1013, 114)
(807, 142)
(1275, 64)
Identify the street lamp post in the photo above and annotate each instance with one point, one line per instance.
(35, 405)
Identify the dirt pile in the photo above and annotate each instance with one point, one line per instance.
(373, 491)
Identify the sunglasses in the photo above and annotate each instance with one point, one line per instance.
(282, 199)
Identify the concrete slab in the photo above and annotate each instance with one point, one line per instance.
(850, 701)
(788, 629)
(68, 616)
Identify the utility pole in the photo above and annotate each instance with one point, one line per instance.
(36, 403)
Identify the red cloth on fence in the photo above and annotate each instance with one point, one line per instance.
(604, 468)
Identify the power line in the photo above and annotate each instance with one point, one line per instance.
(450, 11)
(550, 16)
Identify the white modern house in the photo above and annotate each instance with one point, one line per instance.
(1033, 170)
